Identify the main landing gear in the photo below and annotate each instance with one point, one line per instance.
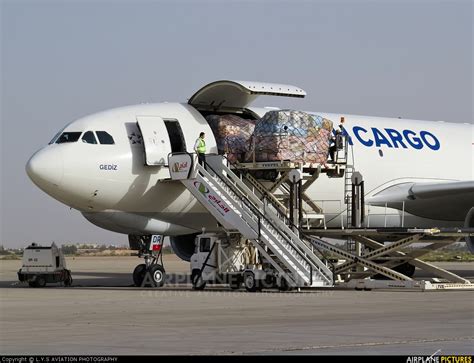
(151, 273)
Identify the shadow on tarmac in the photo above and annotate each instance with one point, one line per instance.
(173, 280)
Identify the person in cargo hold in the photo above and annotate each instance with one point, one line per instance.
(200, 148)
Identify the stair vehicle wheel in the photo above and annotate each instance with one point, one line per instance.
(32, 284)
(40, 281)
(139, 274)
(68, 280)
(283, 285)
(196, 280)
(250, 282)
(158, 275)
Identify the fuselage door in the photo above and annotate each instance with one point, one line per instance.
(228, 95)
(155, 140)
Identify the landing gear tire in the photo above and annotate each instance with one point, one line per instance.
(158, 275)
(250, 282)
(139, 275)
(196, 280)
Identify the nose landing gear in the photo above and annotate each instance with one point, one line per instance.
(151, 273)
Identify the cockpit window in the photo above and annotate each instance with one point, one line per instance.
(53, 140)
(105, 138)
(68, 137)
(89, 138)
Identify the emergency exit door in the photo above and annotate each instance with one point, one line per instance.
(155, 139)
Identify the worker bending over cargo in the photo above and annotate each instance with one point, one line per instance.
(200, 149)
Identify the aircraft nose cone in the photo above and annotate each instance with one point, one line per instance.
(45, 169)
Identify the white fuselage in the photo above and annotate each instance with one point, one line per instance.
(114, 189)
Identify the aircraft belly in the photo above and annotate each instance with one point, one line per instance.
(151, 223)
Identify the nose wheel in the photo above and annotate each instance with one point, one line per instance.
(151, 276)
(151, 273)
(139, 274)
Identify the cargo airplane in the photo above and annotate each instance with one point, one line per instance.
(112, 166)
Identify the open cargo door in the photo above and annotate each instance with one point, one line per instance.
(237, 95)
(155, 140)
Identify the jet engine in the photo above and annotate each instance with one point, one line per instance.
(183, 246)
(469, 223)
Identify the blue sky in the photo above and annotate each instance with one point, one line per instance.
(61, 60)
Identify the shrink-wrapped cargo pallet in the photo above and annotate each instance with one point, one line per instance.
(290, 135)
(232, 135)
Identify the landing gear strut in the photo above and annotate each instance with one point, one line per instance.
(151, 273)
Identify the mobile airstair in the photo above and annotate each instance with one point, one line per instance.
(239, 209)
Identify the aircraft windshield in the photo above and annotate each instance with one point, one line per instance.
(53, 140)
(68, 137)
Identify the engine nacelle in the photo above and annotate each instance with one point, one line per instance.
(469, 223)
(183, 246)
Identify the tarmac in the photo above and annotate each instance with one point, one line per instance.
(102, 313)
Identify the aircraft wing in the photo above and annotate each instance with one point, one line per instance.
(440, 201)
